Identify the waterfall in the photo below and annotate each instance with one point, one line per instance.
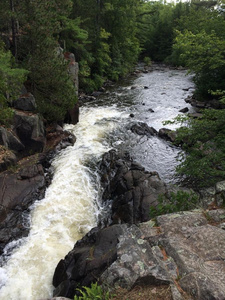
(68, 211)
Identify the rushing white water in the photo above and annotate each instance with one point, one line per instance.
(67, 212)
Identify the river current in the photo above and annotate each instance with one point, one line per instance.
(71, 205)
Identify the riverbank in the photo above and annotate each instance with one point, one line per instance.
(72, 203)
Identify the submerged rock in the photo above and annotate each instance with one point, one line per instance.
(184, 110)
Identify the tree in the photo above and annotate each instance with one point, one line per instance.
(49, 81)
(11, 79)
(203, 163)
(204, 54)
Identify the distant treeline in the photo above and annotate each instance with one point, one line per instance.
(107, 37)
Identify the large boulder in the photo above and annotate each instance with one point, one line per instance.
(18, 191)
(25, 102)
(72, 115)
(130, 188)
(168, 134)
(196, 243)
(141, 128)
(87, 261)
(7, 159)
(30, 130)
(116, 255)
(9, 140)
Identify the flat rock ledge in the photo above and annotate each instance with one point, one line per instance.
(184, 251)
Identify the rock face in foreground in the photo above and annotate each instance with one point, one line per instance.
(105, 253)
(185, 251)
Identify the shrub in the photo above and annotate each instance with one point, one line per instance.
(92, 293)
(147, 61)
(178, 201)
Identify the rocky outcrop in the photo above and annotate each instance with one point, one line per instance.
(167, 134)
(25, 102)
(143, 129)
(213, 103)
(26, 183)
(30, 129)
(18, 191)
(185, 251)
(116, 254)
(130, 188)
(87, 261)
(72, 116)
(196, 243)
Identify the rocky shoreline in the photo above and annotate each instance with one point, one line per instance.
(26, 151)
(182, 251)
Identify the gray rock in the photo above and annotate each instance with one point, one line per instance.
(184, 251)
(167, 134)
(117, 256)
(207, 196)
(26, 102)
(30, 130)
(217, 215)
(136, 263)
(143, 129)
(130, 188)
(220, 186)
(184, 110)
(197, 248)
(7, 159)
(73, 69)
(17, 192)
(9, 140)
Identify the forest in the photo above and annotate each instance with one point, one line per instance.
(108, 38)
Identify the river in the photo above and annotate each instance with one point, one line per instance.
(71, 205)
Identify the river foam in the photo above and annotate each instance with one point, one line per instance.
(68, 211)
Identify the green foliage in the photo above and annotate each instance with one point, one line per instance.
(203, 140)
(112, 48)
(93, 293)
(179, 201)
(49, 79)
(147, 61)
(156, 24)
(11, 79)
(205, 55)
